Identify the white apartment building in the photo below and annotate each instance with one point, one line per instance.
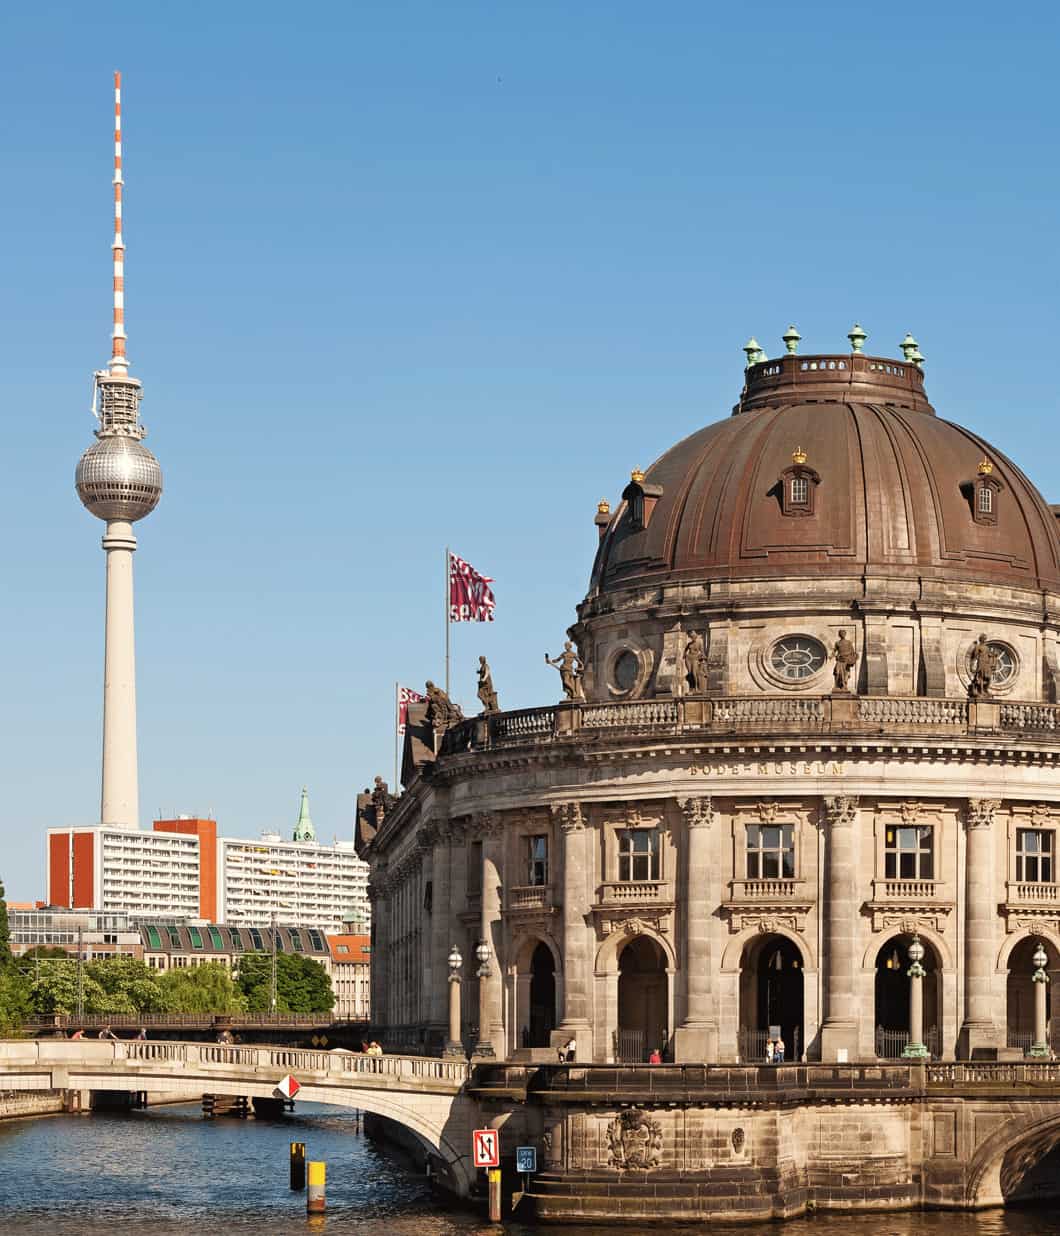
(124, 871)
(297, 881)
(182, 869)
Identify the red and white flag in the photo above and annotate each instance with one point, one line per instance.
(405, 697)
(470, 597)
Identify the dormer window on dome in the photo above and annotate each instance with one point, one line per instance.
(640, 500)
(983, 493)
(797, 485)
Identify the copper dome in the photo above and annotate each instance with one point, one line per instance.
(892, 490)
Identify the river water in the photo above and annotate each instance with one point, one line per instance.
(167, 1172)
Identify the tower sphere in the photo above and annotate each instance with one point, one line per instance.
(119, 478)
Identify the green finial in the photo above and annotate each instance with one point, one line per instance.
(857, 338)
(304, 830)
(791, 339)
(908, 346)
(917, 358)
(754, 352)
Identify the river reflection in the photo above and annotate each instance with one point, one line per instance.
(166, 1172)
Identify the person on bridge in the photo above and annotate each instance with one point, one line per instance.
(655, 1057)
(78, 1034)
(108, 1033)
(141, 1037)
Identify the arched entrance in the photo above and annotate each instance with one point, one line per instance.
(642, 1000)
(892, 998)
(771, 997)
(1019, 992)
(542, 1019)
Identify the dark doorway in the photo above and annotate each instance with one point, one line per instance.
(542, 996)
(892, 998)
(1019, 1002)
(642, 1000)
(771, 998)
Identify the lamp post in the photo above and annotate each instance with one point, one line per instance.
(1039, 978)
(454, 1046)
(915, 1049)
(483, 953)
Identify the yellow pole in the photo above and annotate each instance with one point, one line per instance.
(315, 1199)
(495, 1194)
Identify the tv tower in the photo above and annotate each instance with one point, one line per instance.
(119, 480)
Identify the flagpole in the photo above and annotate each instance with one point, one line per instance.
(397, 735)
(447, 567)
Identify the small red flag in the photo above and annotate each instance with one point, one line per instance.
(406, 696)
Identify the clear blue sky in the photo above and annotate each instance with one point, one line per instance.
(406, 274)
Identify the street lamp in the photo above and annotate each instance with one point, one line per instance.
(915, 1048)
(454, 1046)
(483, 953)
(1039, 978)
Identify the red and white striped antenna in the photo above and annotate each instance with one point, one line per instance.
(119, 366)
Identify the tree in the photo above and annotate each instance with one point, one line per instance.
(5, 931)
(54, 989)
(207, 988)
(15, 1004)
(302, 985)
(129, 985)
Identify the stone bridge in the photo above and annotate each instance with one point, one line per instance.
(425, 1095)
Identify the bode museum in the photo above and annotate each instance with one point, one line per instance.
(802, 785)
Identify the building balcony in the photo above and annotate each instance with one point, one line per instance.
(1029, 905)
(530, 897)
(635, 892)
(909, 904)
(767, 904)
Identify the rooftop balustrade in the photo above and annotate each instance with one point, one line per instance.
(794, 715)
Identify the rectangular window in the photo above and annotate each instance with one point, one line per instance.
(236, 938)
(909, 853)
(638, 854)
(800, 490)
(196, 937)
(986, 499)
(174, 935)
(215, 938)
(474, 867)
(154, 940)
(256, 940)
(771, 851)
(315, 940)
(296, 940)
(1034, 855)
(537, 859)
(277, 935)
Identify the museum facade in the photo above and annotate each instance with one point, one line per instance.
(813, 720)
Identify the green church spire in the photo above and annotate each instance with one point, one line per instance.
(304, 830)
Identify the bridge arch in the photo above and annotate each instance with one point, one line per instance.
(999, 1166)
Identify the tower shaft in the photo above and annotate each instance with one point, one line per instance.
(120, 798)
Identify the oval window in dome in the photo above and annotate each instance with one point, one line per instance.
(1005, 664)
(626, 669)
(796, 657)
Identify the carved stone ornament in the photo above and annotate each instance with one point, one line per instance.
(635, 1141)
(698, 812)
(911, 812)
(1042, 816)
(632, 924)
(981, 811)
(568, 816)
(841, 811)
(739, 1137)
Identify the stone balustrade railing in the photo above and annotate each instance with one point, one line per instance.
(268, 1060)
(530, 897)
(637, 891)
(764, 890)
(766, 714)
(904, 890)
(1024, 893)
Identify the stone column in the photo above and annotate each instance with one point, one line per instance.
(442, 936)
(696, 1039)
(458, 905)
(491, 1023)
(839, 1030)
(576, 857)
(979, 1030)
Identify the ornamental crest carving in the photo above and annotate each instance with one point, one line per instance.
(635, 1141)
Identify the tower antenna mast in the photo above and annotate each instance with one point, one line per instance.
(119, 366)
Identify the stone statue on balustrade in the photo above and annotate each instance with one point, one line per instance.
(442, 713)
(845, 656)
(383, 802)
(571, 668)
(486, 694)
(984, 667)
(696, 663)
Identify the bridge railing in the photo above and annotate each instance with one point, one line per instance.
(22, 1053)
